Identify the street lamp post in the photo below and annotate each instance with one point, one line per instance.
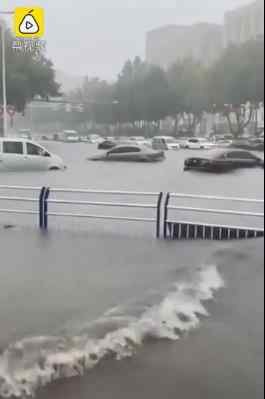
(3, 50)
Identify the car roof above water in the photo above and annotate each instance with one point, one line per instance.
(21, 139)
(215, 154)
(164, 137)
(141, 147)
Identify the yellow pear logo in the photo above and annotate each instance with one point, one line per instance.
(29, 22)
(29, 25)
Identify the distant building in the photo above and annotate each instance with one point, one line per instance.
(244, 23)
(205, 42)
(171, 43)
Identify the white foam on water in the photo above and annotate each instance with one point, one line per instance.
(35, 362)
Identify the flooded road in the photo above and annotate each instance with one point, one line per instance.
(75, 300)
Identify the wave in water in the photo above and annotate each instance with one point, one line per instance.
(35, 362)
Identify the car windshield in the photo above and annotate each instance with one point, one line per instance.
(131, 255)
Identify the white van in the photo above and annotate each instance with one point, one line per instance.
(20, 154)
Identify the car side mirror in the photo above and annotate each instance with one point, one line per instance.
(46, 154)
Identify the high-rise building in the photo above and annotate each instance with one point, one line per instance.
(205, 42)
(171, 43)
(244, 23)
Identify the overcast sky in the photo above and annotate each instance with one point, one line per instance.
(95, 37)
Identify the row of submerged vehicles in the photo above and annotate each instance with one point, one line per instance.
(212, 156)
(216, 157)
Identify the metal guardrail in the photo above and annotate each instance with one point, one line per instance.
(20, 199)
(184, 229)
(45, 201)
(172, 228)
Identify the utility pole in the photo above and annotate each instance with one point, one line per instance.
(3, 128)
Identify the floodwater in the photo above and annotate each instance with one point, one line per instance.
(124, 315)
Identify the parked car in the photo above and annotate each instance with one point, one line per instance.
(131, 153)
(83, 139)
(195, 143)
(223, 161)
(25, 134)
(18, 154)
(70, 136)
(257, 144)
(106, 145)
(224, 143)
(250, 144)
(138, 140)
(165, 143)
(94, 138)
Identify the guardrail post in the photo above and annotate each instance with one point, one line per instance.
(158, 216)
(166, 214)
(45, 208)
(41, 207)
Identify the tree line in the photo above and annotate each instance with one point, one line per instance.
(144, 94)
(29, 74)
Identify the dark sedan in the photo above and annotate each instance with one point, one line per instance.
(224, 161)
(131, 153)
(255, 144)
(107, 145)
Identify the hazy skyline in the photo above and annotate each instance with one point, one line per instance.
(95, 39)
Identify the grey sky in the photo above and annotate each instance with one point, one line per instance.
(95, 37)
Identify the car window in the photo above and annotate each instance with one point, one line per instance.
(240, 155)
(246, 155)
(13, 147)
(33, 149)
(125, 150)
(193, 141)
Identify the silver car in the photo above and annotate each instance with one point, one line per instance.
(131, 153)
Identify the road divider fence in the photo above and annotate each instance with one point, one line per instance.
(172, 211)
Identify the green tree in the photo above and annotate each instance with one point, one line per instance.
(143, 92)
(128, 93)
(97, 96)
(28, 75)
(157, 94)
(187, 80)
(238, 78)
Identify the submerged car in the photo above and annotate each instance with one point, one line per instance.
(131, 153)
(257, 144)
(94, 139)
(25, 134)
(70, 136)
(224, 161)
(198, 144)
(165, 143)
(21, 154)
(137, 140)
(107, 145)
